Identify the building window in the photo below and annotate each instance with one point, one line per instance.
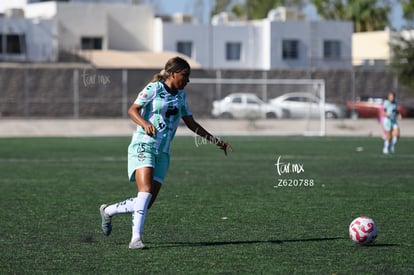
(233, 51)
(290, 49)
(14, 43)
(185, 47)
(91, 43)
(332, 49)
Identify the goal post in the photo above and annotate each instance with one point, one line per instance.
(307, 113)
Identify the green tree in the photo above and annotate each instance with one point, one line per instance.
(403, 59)
(367, 15)
(408, 9)
(331, 10)
(258, 9)
(220, 6)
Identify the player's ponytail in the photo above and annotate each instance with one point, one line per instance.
(162, 75)
(175, 64)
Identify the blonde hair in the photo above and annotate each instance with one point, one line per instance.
(175, 64)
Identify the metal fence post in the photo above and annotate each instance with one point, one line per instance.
(218, 83)
(353, 87)
(76, 93)
(124, 92)
(26, 92)
(264, 86)
(395, 85)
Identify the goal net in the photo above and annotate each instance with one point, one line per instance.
(297, 105)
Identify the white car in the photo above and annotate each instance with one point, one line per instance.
(304, 105)
(243, 106)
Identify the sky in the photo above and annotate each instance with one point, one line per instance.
(188, 7)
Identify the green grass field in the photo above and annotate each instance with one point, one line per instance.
(215, 214)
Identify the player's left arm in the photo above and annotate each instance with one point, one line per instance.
(199, 130)
(399, 115)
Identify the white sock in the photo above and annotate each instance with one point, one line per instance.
(394, 140)
(123, 207)
(140, 211)
(386, 144)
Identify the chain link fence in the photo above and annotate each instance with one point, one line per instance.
(86, 92)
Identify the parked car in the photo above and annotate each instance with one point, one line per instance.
(300, 105)
(243, 106)
(369, 107)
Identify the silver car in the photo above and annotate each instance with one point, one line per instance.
(243, 106)
(305, 105)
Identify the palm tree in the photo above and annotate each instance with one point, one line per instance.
(403, 58)
(367, 15)
(408, 12)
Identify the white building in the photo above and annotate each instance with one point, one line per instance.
(92, 26)
(371, 48)
(39, 32)
(263, 44)
(258, 45)
(23, 39)
(375, 48)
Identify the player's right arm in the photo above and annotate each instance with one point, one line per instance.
(384, 109)
(382, 112)
(134, 113)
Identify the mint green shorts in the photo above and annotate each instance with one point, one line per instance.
(141, 155)
(389, 124)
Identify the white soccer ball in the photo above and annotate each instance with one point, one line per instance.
(363, 230)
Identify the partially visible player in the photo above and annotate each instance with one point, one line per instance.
(381, 117)
(390, 124)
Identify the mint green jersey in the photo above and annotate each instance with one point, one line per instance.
(391, 109)
(164, 111)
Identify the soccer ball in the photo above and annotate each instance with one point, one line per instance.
(363, 230)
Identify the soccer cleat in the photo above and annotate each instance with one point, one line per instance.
(136, 244)
(106, 220)
(385, 151)
(392, 150)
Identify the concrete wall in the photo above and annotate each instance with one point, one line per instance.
(311, 36)
(252, 50)
(199, 34)
(122, 27)
(209, 43)
(368, 47)
(261, 42)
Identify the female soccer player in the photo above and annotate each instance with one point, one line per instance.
(157, 112)
(391, 115)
